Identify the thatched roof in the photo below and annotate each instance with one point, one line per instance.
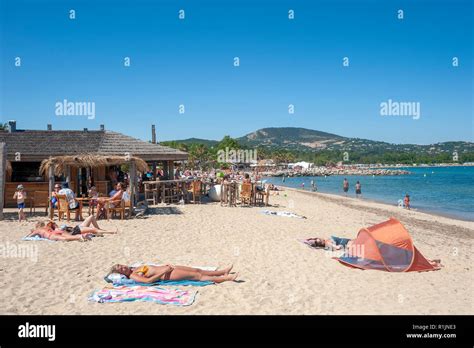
(61, 163)
(37, 145)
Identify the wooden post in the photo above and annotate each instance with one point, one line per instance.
(50, 189)
(166, 171)
(171, 169)
(3, 175)
(79, 182)
(68, 176)
(154, 170)
(88, 177)
(133, 178)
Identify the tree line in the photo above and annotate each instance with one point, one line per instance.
(203, 156)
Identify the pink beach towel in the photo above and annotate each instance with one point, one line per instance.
(144, 293)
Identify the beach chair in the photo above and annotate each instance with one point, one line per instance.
(121, 208)
(63, 208)
(246, 194)
(261, 197)
(150, 193)
(195, 190)
(229, 194)
(224, 194)
(40, 199)
(171, 193)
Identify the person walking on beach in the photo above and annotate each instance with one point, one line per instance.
(302, 185)
(358, 188)
(345, 186)
(20, 196)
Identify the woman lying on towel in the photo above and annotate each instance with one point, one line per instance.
(151, 274)
(81, 232)
(46, 231)
(334, 243)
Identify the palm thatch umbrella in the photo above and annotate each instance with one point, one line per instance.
(61, 163)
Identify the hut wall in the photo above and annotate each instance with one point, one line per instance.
(100, 172)
(3, 171)
(103, 187)
(8, 177)
(30, 188)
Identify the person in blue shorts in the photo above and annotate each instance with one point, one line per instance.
(20, 196)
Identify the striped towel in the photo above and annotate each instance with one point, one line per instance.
(120, 293)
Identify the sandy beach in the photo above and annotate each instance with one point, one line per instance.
(278, 274)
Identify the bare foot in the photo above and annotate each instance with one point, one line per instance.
(233, 277)
(228, 269)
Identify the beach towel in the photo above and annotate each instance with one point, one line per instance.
(283, 213)
(36, 238)
(119, 293)
(120, 279)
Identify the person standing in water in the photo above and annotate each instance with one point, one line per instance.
(313, 186)
(406, 201)
(358, 188)
(345, 186)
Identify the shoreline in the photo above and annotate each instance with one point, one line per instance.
(371, 200)
(357, 170)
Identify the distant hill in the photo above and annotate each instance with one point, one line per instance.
(308, 140)
(291, 138)
(190, 141)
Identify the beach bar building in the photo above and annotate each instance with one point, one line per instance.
(78, 157)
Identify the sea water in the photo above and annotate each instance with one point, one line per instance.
(443, 190)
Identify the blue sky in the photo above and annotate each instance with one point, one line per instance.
(282, 62)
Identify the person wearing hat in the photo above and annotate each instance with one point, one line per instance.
(20, 196)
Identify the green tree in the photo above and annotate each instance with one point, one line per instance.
(228, 142)
(199, 155)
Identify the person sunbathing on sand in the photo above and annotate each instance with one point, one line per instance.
(151, 274)
(332, 243)
(44, 231)
(84, 227)
(82, 232)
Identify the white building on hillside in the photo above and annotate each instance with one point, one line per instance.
(304, 165)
